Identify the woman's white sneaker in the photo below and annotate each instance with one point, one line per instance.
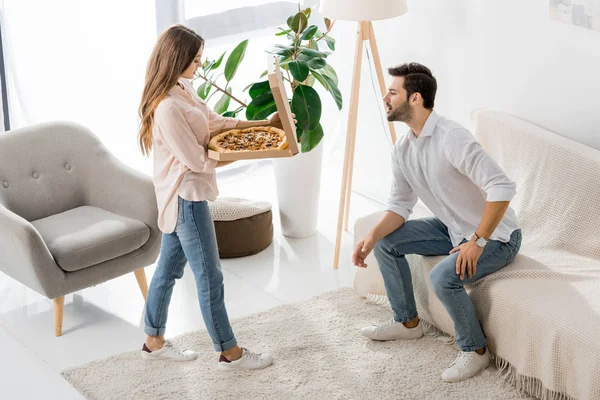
(249, 360)
(168, 352)
(466, 365)
(392, 330)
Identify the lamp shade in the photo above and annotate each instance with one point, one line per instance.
(362, 10)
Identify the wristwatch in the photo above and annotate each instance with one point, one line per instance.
(480, 241)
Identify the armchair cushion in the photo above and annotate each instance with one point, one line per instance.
(86, 236)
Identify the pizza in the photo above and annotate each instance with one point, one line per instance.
(258, 138)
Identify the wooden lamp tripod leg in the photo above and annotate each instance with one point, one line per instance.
(365, 32)
(350, 136)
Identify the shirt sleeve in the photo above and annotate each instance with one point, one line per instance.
(179, 138)
(469, 157)
(217, 122)
(402, 198)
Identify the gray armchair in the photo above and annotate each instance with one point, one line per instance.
(71, 214)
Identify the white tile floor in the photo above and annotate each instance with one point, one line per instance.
(107, 319)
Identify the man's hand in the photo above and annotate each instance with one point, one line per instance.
(468, 255)
(363, 249)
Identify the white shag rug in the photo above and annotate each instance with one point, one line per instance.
(318, 352)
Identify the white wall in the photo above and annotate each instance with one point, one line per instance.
(507, 55)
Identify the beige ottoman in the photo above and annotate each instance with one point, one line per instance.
(243, 227)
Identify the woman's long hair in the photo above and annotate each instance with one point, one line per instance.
(173, 53)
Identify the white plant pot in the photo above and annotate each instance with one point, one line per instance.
(298, 181)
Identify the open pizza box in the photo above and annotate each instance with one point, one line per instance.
(287, 122)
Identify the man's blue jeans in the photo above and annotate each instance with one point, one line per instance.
(429, 237)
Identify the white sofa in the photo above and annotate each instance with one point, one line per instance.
(541, 313)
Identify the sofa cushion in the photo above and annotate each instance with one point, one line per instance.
(86, 236)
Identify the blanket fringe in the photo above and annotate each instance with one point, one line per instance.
(526, 385)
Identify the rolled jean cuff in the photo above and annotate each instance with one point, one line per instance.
(154, 331)
(225, 346)
(409, 318)
(473, 348)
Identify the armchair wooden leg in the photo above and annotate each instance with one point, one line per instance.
(59, 308)
(140, 275)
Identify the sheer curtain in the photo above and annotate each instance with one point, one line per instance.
(81, 61)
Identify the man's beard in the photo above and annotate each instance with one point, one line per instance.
(403, 113)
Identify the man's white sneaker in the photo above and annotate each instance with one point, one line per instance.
(168, 352)
(392, 330)
(466, 365)
(249, 360)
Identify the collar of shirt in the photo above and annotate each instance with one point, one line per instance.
(428, 128)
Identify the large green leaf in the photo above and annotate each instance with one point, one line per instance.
(218, 62)
(287, 32)
(335, 92)
(234, 60)
(300, 22)
(299, 70)
(253, 113)
(310, 139)
(263, 99)
(306, 104)
(207, 65)
(204, 89)
(318, 76)
(309, 33)
(317, 63)
(313, 62)
(311, 52)
(283, 31)
(330, 42)
(328, 39)
(233, 113)
(223, 103)
(261, 107)
(330, 72)
(282, 50)
(258, 88)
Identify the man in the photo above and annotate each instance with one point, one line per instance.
(439, 162)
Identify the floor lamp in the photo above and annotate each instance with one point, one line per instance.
(362, 11)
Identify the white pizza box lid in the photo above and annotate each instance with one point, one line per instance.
(287, 121)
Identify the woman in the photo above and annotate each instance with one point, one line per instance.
(176, 126)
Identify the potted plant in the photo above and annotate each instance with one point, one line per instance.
(210, 86)
(303, 60)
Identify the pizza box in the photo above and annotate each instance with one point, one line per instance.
(287, 122)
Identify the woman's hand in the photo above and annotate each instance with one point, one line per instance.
(275, 120)
(223, 163)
